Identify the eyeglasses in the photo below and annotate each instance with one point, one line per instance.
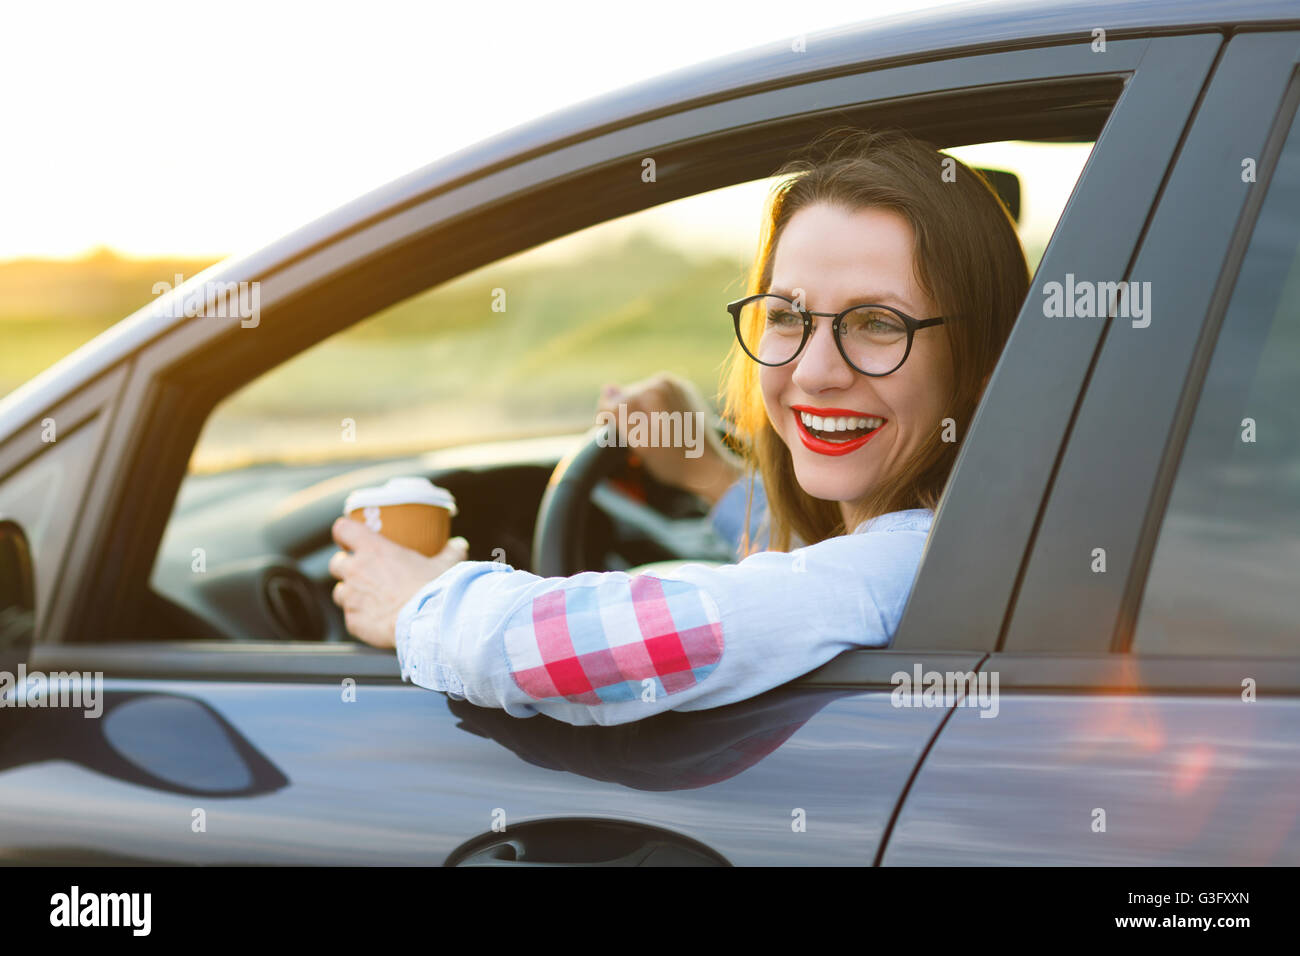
(874, 339)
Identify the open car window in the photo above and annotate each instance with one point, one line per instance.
(522, 346)
(515, 350)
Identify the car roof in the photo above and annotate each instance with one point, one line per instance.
(921, 35)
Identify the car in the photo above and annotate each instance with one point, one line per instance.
(1098, 663)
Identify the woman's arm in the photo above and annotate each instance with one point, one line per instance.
(609, 648)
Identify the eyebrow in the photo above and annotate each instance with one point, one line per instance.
(872, 298)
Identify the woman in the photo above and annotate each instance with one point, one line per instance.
(851, 431)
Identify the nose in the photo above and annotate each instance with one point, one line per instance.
(820, 365)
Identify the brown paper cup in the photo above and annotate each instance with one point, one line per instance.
(413, 512)
(423, 528)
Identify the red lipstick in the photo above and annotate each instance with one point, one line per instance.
(820, 445)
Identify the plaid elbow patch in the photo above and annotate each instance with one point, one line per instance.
(597, 644)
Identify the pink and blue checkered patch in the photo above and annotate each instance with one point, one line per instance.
(596, 644)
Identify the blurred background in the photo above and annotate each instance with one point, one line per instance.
(150, 141)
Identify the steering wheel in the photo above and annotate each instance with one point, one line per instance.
(579, 481)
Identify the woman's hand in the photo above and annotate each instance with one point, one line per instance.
(708, 475)
(379, 576)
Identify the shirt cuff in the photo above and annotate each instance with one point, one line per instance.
(419, 653)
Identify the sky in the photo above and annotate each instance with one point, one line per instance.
(209, 129)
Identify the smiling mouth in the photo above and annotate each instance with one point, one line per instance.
(835, 434)
(838, 428)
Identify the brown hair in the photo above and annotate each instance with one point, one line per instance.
(968, 260)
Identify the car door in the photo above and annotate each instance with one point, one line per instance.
(1150, 668)
(248, 752)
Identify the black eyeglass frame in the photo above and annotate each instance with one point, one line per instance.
(911, 324)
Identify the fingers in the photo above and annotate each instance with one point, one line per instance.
(338, 564)
(642, 397)
(351, 534)
(453, 552)
(609, 396)
(662, 392)
(355, 536)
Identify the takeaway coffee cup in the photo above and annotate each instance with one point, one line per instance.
(414, 512)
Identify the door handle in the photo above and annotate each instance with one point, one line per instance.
(583, 842)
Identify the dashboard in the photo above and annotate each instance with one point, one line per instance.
(245, 554)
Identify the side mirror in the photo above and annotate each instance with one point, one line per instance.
(1007, 186)
(17, 596)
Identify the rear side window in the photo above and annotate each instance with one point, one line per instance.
(42, 496)
(1225, 575)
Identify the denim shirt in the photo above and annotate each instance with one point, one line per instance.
(608, 647)
(728, 515)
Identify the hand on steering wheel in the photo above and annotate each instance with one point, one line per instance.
(580, 478)
(708, 474)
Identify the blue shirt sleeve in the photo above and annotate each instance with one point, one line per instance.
(728, 514)
(610, 648)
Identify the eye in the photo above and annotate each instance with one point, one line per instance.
(784, 319)
(874, 323)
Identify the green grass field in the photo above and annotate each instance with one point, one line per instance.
(50, 307)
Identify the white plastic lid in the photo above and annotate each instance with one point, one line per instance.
(401, 491)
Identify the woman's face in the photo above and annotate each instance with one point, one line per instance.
(839, 259)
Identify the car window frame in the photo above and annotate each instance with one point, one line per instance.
(179, 377)
(84, 413)
(968, 576)
(1060, 610)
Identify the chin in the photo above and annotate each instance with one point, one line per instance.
(829, 487)
(824, 477)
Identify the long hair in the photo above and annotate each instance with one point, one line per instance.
(969, 262)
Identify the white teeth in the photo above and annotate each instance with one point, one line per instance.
(840, 424)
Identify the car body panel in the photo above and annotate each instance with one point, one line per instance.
(402, 776)
(1174, 780)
